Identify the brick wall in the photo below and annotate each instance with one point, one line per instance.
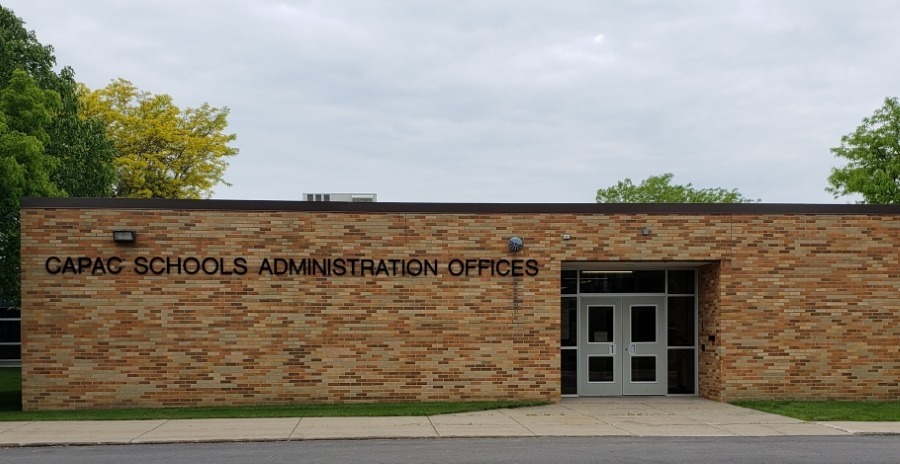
(800, 305)
(811, 308)
(708, 357)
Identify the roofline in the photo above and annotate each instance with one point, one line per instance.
(457, 208)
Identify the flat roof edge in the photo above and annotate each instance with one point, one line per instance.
(458, 208)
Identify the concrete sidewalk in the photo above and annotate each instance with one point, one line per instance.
(643, 417)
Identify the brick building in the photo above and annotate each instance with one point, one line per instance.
(173, 302)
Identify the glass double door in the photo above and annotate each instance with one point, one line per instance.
(622, 346)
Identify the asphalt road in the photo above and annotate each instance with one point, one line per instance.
(818, 450)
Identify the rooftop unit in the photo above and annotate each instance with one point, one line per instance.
(348, 197)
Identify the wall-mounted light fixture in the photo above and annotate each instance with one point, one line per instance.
(124, 236)
(645, 231)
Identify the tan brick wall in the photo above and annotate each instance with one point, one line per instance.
(708, 357)
(801, 306)
(811, 308)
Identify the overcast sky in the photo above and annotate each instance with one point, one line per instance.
(490, 101)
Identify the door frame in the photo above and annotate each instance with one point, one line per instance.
(572, 294)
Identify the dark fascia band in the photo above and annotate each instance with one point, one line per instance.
(458, 208)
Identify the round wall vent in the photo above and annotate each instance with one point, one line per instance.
(515, 244)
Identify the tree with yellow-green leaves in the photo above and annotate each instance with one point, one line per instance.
(61, 139)
(162, 150)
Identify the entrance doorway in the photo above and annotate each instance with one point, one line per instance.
(624, 346)
(628, 332)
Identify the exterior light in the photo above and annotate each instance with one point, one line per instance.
(515, 244)
(124, 236)
(646, 231)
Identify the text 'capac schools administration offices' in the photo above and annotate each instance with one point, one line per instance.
(132, 303)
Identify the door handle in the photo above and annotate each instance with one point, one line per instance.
(632, 349)
(612, 348)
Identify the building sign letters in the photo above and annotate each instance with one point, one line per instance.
(276, 266)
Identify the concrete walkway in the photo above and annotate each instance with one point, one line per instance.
(643, 417)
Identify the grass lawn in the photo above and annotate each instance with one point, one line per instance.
(11, 408)
(830, 410)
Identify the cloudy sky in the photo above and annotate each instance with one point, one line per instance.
(501, 101)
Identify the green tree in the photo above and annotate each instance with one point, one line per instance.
(45, 148)
(20, 49)
(162, 151)
(84, 166)
(85, 155)
(873, 154)
(659, 189)
(25, 112)
(28, 109)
